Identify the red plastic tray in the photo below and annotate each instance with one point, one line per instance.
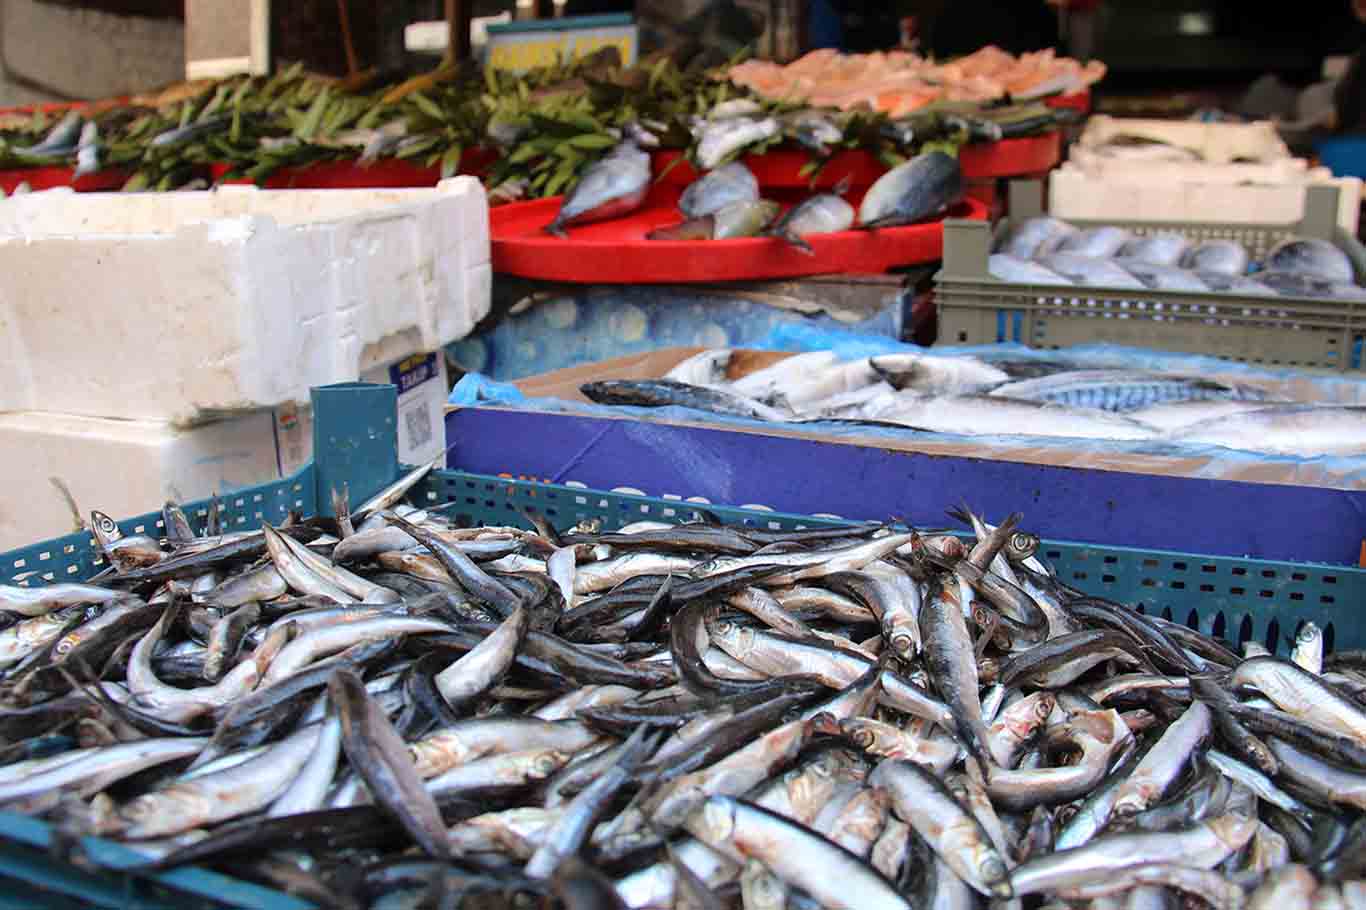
(1012, 157)
(46, 178)
(1077, 101)
(616, 252)
(342, 175)
(781, 167)
(52, 107)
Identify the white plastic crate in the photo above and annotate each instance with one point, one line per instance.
(176, 307)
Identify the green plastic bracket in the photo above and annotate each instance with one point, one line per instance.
(355, 440)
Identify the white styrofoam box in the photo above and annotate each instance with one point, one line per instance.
(1073, 193)
(422, 391)
(180, 306)
(127, 467)
(1218, 143)
(1111, 163)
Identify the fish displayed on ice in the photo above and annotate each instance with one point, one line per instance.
(1008, 267)
(1038, 235)
(1304, 284)
(1108, 256)
(1091, 270)
(1306, 431)
(963, 395)
(1097, 242)
(1227, 257)
(1159, 248)
(1183, 412)
(1162, 277)
(1122, 390)
(1312, 257)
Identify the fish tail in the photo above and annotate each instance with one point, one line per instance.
(556, 228)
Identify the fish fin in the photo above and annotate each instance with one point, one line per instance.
(844, 185)
(555, 228)
(70, 501)
(797, 241)
(961, 513)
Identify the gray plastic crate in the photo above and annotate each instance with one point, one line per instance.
(975, 308)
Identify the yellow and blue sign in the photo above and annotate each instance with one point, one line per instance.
(521, 46)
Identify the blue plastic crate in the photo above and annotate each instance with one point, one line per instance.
(355, 443)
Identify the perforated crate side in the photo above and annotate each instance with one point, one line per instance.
(1248, 330)
(1240, 599)
(485, 499)
(76, 557)
(975, 308)
(31, 875)
(1236, 599)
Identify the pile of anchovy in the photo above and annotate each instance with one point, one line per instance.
(384, 709)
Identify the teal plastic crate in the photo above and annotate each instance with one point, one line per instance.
(354, 442)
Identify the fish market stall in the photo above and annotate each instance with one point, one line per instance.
(550, 689)
(774, 611)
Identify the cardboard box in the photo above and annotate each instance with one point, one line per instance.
(422, 389)
(564, 384)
